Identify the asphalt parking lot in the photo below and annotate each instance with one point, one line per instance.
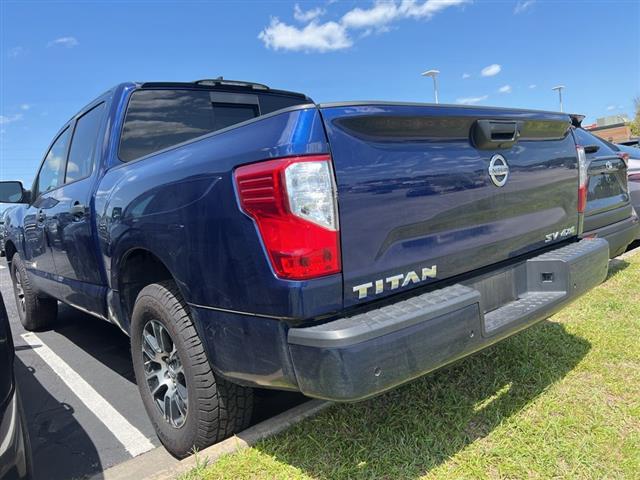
(79, 393)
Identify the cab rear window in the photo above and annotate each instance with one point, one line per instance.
(160, 118)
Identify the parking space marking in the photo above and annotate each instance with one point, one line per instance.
(2, 267)
(129, 436)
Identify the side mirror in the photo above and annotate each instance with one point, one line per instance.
(12, 192)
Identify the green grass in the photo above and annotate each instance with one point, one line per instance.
(560, 400)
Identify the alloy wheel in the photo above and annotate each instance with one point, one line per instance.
(19, 291)
(164, 373)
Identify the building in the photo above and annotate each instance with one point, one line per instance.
(614, 128)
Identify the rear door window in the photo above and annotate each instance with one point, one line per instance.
(83, 145)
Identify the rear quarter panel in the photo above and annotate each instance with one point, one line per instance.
(180, 204)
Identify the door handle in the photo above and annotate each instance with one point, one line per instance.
(77, 210)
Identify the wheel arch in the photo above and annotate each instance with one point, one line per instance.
(10, 250)
(137, 268)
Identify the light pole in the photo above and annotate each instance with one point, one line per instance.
(433, 74)
(559, 89)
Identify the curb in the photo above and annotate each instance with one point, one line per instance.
(166, 467)
(629, 253)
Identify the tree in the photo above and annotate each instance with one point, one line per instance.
(635, 123)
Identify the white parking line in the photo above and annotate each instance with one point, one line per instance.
(129, 436)
(2, 267)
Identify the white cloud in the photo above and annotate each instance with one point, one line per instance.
(25, 106)
(465, 75)
(505, 89)
(533, 85)
(523, 6)
(380, 14)
(308, 15)
(611, 107)
(471, 100)
(15, 52)
(6, 119)
(334, 35)
(322, 37)
(491, 70)
(68, 42)
(411, 8)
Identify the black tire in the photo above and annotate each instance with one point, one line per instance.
(35, 312)
(216, 408)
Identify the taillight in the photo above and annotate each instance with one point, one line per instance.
(293, 202)
(583, 179)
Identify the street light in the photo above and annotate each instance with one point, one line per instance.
(433, 74)
(559, 89)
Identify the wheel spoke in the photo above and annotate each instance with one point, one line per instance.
(150, 347)
(160, 336)
(164, 373)
(167, 407)
(181, 407)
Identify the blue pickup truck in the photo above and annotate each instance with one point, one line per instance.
(246, 237)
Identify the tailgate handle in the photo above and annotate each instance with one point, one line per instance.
(494, 134)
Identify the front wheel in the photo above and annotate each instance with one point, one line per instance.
(189, 406)
(35, 312)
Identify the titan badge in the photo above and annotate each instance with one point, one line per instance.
(395, 281)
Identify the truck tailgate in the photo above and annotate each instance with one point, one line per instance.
(416, 199)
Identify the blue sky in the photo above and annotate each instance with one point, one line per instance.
(57, 56)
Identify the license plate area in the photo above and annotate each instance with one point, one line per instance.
(496, 290)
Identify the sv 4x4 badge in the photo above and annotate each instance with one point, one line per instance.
(395, 281)
(567, 232)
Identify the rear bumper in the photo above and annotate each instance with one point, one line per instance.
(619, 235)
(360, 356)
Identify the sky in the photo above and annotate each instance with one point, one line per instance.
(56, 56)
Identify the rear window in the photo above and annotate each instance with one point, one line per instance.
(585, 138)
(159, 119)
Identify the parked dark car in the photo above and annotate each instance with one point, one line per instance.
(246, 237)
(2, 234)
(609, 213)
(4, 226)
(15, 450)
(633, 142)
(633, 173)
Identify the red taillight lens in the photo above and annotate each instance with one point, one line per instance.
(292, 200)
(583, 179)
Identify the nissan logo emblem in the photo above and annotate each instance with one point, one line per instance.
(498, 170)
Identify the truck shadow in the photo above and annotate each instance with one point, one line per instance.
(411, 430)
(110, 346)
(61, 448)
(102, 340)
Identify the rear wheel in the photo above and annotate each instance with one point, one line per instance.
(189, 406)
(35, 312)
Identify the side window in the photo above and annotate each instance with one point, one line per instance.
(52, 170)
(83, 145)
